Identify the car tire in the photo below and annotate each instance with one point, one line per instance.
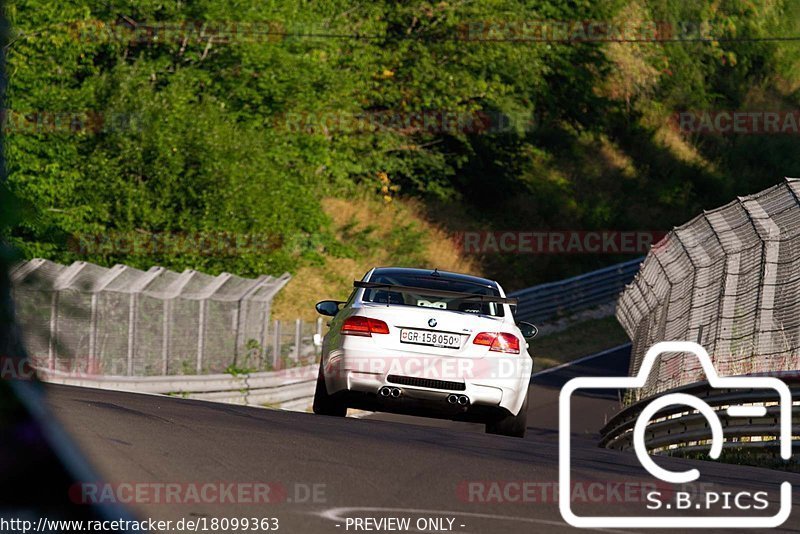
(325, 404)
(511, 425)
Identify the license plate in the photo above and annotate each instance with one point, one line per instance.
(433, 339)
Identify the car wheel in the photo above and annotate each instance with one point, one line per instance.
(511, 425)
(325, 404)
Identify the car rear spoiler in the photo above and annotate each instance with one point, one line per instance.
(435, 292)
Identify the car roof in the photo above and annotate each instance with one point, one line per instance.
(447, 275)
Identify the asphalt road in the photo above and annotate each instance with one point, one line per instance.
(323, 470)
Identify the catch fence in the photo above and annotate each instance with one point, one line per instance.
(728, 280)
(90, 320)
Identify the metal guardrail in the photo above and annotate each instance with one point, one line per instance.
(565, 297)
(680, 430)
(293, 388)
(288, 389)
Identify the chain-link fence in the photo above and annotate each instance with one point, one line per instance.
(88, 319)
(729, 280)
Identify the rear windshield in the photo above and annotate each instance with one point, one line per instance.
(408, 298)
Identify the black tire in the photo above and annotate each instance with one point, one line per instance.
(325, 404)
(511, 425)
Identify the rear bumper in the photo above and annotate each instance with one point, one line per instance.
(410, 403)
(489, 392)
(372, 383)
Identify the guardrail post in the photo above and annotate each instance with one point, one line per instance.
(237, 317)
(133, 310)
(276, 345)
(173, 291)
(51, 342)
(92, 335)
(201, 327)
(61, 282)
(207, 293)
(101, 286)
(242, 310)
(264, 337)
(298, 333)
(134, 298)
(165, 333)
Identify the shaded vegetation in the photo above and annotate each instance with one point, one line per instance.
(198, 133)
(581, 339)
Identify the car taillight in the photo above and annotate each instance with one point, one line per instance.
(356, 325)
(498, 342)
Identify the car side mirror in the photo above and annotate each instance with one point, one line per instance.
(528, 330)
(328, 307)
(513, 309)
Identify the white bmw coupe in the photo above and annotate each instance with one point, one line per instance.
(427, 343)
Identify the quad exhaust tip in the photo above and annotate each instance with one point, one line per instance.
(394, 392)
(462, 400)
(387, 391)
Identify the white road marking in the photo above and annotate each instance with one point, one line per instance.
(579, 360)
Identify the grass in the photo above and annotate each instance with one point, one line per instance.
(375, 234)
(578, 340)
(398, 233)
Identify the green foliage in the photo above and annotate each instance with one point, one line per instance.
(201, 136)
(254, 360)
